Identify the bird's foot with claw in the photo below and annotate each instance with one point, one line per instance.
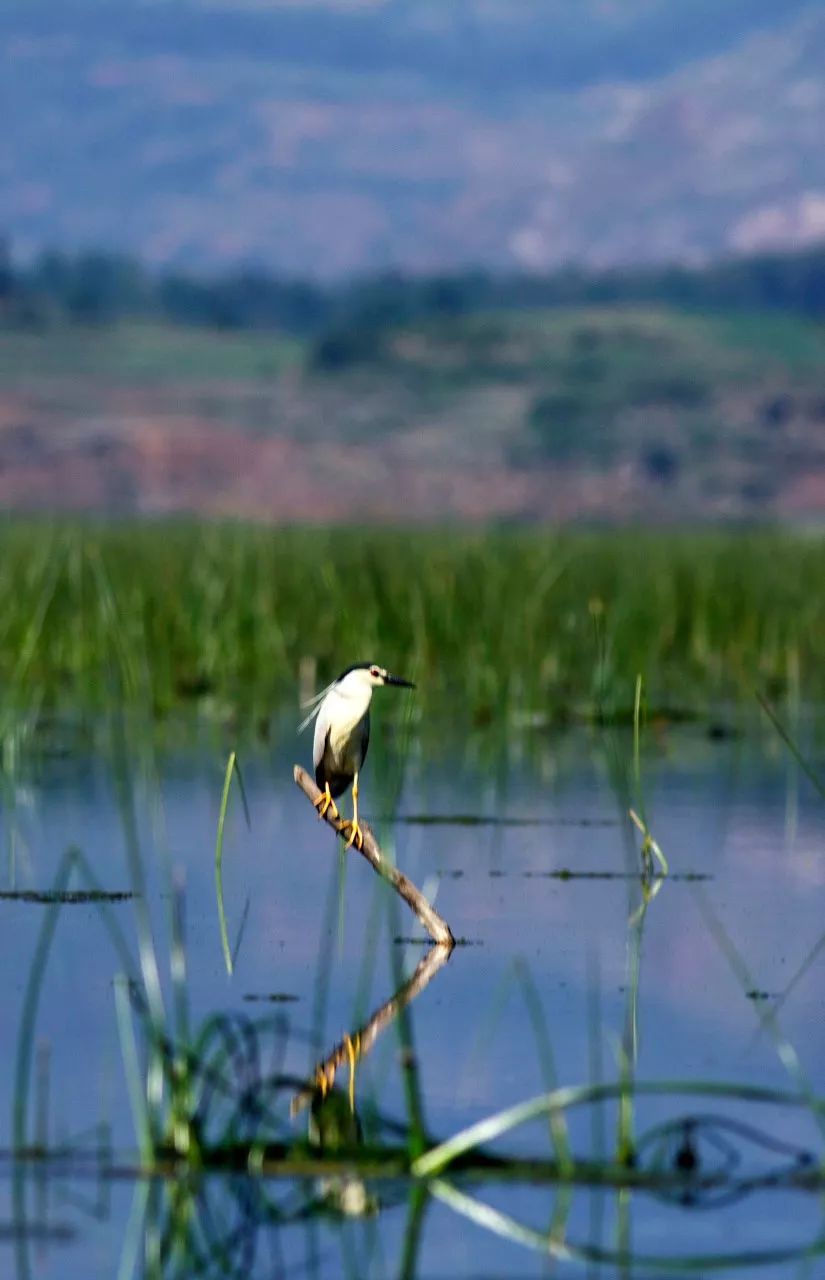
(325, 802)
(356, 835)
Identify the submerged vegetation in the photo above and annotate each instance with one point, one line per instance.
(535, 624)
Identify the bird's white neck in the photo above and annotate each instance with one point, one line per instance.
(356, 690)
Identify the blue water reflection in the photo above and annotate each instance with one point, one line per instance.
(315, 947)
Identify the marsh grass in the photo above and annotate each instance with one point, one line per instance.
(496, 623)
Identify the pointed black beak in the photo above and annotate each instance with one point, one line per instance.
(404, 684)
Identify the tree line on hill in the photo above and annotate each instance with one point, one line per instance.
(102, 288)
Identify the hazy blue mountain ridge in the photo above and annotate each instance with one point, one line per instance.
(325, 140)
(463, 46)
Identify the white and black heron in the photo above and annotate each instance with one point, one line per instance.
(342, 735)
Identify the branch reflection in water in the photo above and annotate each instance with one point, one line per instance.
(334, 1124)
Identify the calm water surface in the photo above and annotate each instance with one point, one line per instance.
(315, 937)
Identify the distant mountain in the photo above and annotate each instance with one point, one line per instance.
(336, 137)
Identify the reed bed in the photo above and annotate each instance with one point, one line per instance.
(536, 622)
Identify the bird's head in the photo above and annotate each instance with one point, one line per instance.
(370, 675)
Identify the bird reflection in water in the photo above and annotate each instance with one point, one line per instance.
(334, 1124)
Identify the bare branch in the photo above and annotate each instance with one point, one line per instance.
(437, 928)
(357, 1045)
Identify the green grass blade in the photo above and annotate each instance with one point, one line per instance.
(131, 1066)
(493, 1220)
(232, 769)
(242, 789)
(785, 1050)
(133, 1233)
(177, 961)
(518, 973)
(810, 774)
(491, 1127)
(622, 1260)
(637, 742)
(484, 1131)
(72, 860)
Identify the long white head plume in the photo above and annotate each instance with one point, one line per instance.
(315, 704)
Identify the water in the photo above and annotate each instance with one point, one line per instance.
(545, 894)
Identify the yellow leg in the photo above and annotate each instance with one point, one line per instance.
(324, 1079)
(356, 835)
(325, 802)
(353, 1047)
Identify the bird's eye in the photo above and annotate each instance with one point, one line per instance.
(375, 671)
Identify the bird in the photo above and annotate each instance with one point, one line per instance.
(342, 735)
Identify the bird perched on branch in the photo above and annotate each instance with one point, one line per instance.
(342, 735)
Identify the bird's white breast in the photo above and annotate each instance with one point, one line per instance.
(341, 720)
(344, 724)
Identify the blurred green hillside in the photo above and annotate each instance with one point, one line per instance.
(669, 396)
